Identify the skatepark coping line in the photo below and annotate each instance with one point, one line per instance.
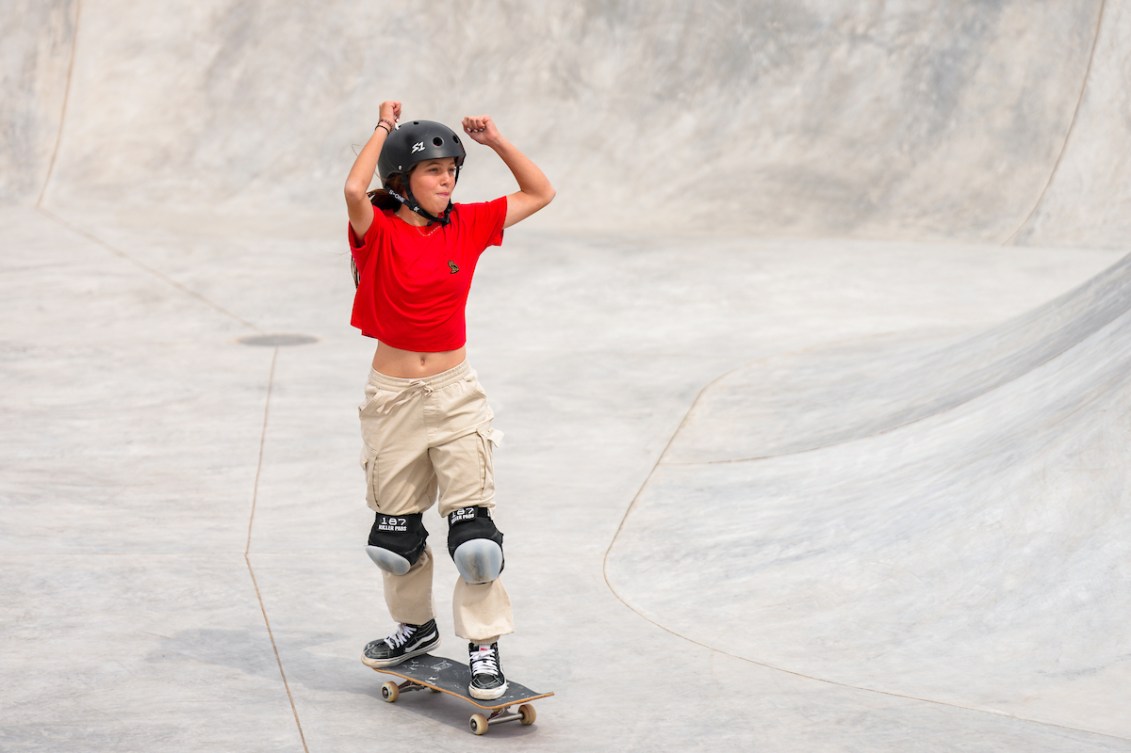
(713, 650)
(247, 548)
(1068, 132)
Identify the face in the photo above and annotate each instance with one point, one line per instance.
(432, 183)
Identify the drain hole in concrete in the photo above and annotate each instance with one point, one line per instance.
(277, 341)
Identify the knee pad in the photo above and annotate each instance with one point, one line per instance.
(475, 544)
(397, 541)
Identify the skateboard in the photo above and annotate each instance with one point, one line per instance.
(440, 675)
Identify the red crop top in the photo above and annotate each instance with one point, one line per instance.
(415, 280)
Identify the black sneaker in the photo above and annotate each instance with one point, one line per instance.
(487, 681)
(407, 642)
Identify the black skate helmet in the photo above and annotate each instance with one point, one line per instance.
(410, 144)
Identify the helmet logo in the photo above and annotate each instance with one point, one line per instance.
(417, 147)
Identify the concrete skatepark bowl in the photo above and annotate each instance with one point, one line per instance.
(816, 376)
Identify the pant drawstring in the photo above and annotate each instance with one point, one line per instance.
(416, 387)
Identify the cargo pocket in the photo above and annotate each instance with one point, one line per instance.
(488, 438)
(369, 466)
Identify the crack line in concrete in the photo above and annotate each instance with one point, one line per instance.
(151, 270)
(247, 549)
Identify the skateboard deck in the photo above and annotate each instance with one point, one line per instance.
(441, 675)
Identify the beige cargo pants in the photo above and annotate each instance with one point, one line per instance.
(423, 437)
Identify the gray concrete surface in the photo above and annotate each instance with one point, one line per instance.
(814, 377)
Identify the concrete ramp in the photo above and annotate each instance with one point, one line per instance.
(949, 525)
(1087, 199)
(808, 400)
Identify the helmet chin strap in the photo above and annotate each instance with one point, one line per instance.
(410, 201)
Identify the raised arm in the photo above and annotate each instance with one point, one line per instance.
(357, 184)
(534, 188)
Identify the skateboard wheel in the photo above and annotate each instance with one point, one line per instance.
(390, 692)
(528, 714)
(478, 724)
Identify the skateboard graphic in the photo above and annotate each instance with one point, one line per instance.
(440, 675)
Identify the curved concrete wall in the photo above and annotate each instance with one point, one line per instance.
(947, 523)
(1089, 197)
(36, 41)
(796, 402)
(924, 121)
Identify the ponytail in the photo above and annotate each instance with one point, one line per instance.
(382, 199)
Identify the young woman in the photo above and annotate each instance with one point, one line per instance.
(425, 422)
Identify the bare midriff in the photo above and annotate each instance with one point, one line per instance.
(408, 364)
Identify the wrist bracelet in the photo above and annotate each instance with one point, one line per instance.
(382, 123)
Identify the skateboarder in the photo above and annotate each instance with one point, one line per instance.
(425, 422)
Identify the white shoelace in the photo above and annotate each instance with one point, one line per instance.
(484, 662)
(399, 638)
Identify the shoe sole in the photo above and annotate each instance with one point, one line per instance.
(378, 663)
(487, 694)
